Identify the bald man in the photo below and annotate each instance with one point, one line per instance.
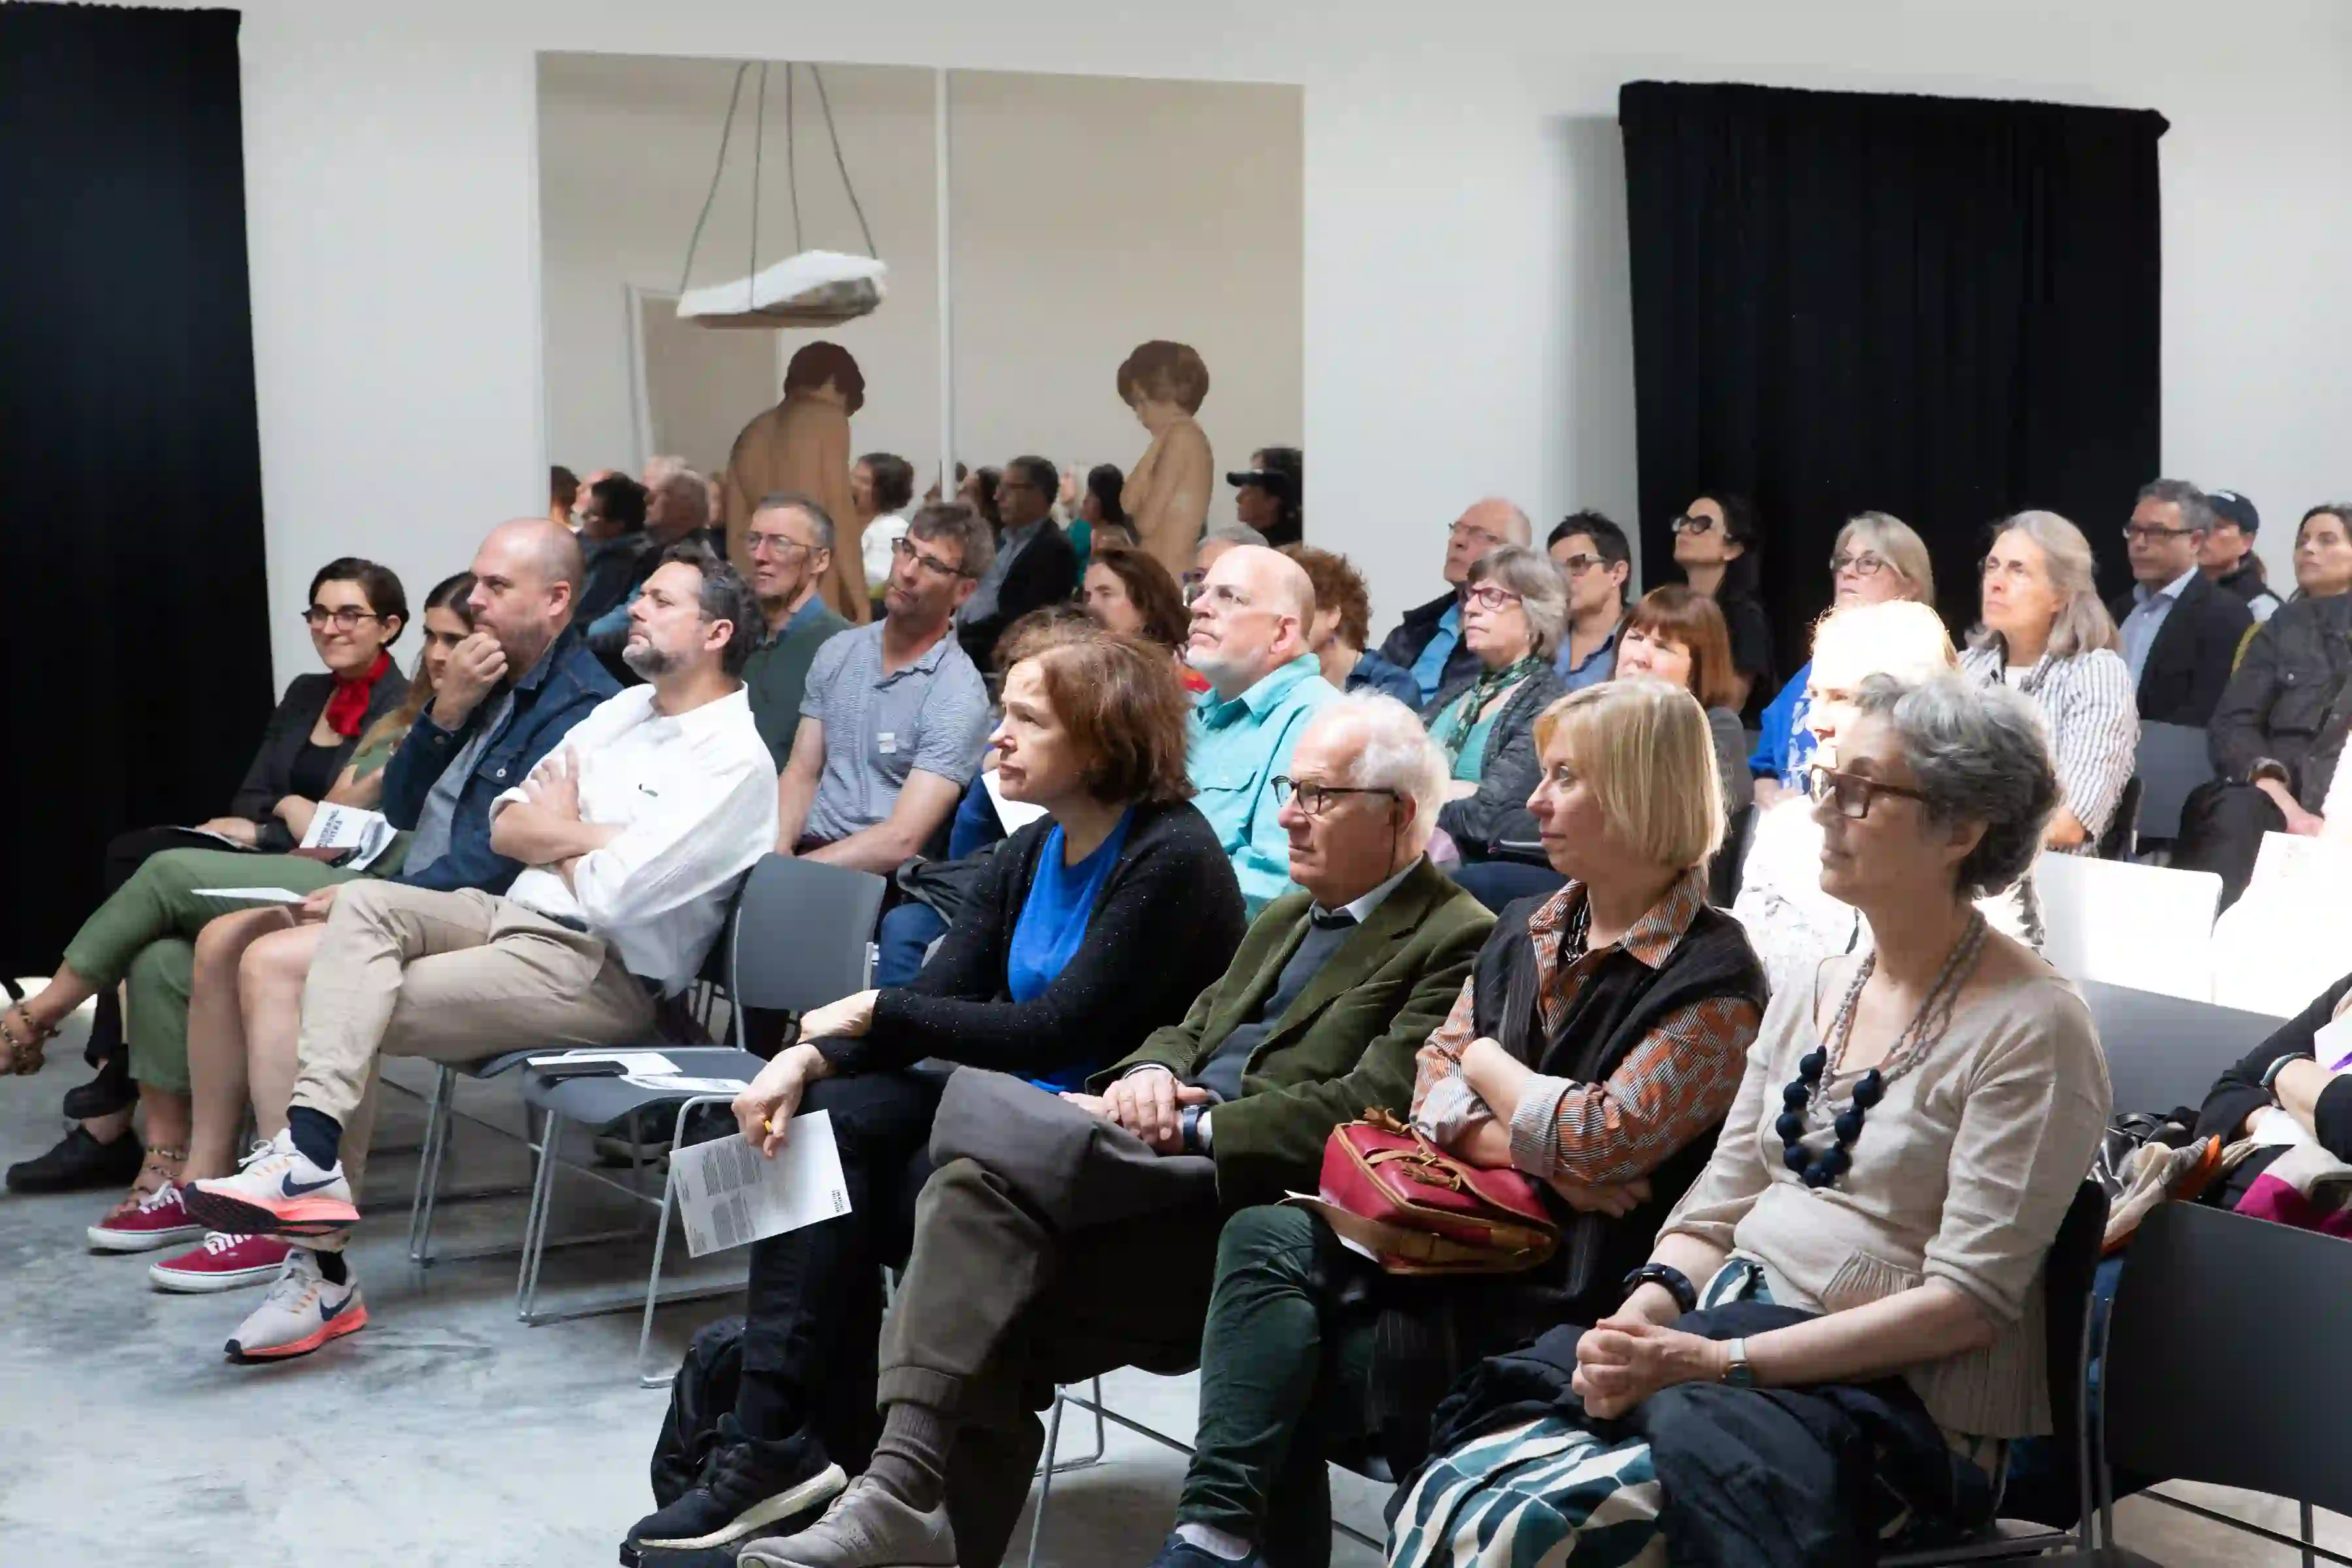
(1428, 641)
(1249, 638)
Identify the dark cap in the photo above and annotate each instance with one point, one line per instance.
(2232, 507)
(1272, 481)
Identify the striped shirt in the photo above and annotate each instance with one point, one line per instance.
(1670, 1089)
(931, 713)
(2091, 713)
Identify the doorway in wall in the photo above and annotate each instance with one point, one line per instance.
(690, 385)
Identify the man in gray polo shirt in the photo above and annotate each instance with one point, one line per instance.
(895, 717)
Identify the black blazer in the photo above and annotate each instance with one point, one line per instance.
(2189, 663)
(1045, 573)
(1163, 928)
(267, 782)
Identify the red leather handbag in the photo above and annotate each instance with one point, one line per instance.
(1419, 1210)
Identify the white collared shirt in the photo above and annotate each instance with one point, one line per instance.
(695, 797)
(1362, 908)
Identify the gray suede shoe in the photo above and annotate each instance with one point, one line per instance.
(865, 1528)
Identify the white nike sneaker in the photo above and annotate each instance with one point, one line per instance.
(276, 1191)
(302, 1311)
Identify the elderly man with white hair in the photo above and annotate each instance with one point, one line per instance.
(1428, 641)
(1333, 991)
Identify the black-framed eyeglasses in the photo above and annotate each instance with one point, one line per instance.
(2149, 533)
(1863, 565)
(904, 548)
(1852, 793)
(345, 617)
(1691, 523)
(1313, 797)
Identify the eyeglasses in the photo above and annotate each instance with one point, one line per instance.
(1851, 793)
(1473, 531)
(1313, 797)
(1862, 565)
(904, 548)
(1577, 565)
(1687, 524)
(1225, 593)
(345, 618)
(1487, 596)
(780, 544)
(2148, 534)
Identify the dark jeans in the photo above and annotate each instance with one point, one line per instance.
(816, 1310)
(1496, 883)
(906, 935)
(2222, 828)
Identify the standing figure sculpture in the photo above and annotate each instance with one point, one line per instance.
(1167, 491)
(801, 447)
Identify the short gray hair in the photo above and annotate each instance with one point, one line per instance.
(1979, 754)
(820, 520)
(2083, 624)
(1543, 592)
(954, 520)
(1395, 752)
(1231, 532)
(2196, 506)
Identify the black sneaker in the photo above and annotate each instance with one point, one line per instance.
(749, 1487)
(111, 1092)
(80, 1164)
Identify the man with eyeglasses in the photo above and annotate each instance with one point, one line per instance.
(1428, 641)
(1333, 990)
(790, 540)
(2179, 632)
(1596, 562)
(1035, 563)
(894, 717)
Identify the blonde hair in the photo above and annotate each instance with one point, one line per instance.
(1900, 638)
(2082, 623)
(1892, 539)
(1643, 749)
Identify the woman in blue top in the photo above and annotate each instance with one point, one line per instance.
(1095, 925)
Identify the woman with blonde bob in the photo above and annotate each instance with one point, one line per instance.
(1595, 1047)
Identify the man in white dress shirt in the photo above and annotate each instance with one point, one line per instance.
(635, 833)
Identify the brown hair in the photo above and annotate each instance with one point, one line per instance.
(1164, 372)
(455, 595)
(1152, 591)
(1049, 625)
(1124, 708)
(818, 363)
(1337, 585)
(1675, 614)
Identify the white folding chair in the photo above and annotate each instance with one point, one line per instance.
(2148, 927)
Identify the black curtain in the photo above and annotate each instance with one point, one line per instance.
(1945, 309)
(136, 650)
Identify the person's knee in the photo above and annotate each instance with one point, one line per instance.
(1274, 1238)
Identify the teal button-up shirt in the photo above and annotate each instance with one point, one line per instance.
(1236, 750)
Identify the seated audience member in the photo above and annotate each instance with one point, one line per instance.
(1215, 540)
(2278, 733)
(2176, 630)
(1096, 925)
(1269, 496)
(1596, 561)
(139, 939)
(562, 494)
(612, 516)
(1717, 542)
(1911, 1128)
(1034, 566)
(677, 509)
(1343, 622)
(2283, 1074)
(882, 492)
(1098, 520)
(1876, 558)
(894, 718)
(1791, 922)
(1595, 1047)
(1249, 638)
(2228, 557)
(634, 837)
(1514, 608)
(790, 540)
(1317, 1018)
(357, 609)
(977, 489)
(2045, 634)
(1126, 591)
(1428, 640)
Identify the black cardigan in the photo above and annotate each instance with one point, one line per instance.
(268, 781)
(1163, 928)
(2238, 1092)
(1508, 770)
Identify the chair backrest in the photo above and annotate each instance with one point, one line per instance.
(800, 934)
(2173, 760)
(1722, 872)
(2278, 946)
(2145, 926)
(2067, 1276)
(2224, 1356)
(2122, 836)
(2164, 1051)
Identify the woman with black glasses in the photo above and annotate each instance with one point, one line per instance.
(1715, 544)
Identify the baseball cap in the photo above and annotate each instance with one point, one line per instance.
(2232, 507)
(1272, 481)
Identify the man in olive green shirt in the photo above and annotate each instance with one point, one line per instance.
(790, 542)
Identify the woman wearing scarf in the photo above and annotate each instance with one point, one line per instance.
(1514, 613)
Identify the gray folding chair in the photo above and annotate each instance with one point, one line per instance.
(2166, 1051)
(802, 936)
(2174, 759)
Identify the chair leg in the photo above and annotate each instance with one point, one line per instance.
(437, 1113)
(2309, 1534)
(1046, 1480)
(535, 1223)
(661, 1244)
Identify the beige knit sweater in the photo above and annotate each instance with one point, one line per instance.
(1962, 1174)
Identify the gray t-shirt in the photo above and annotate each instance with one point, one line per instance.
(930, 714)
(431, 840)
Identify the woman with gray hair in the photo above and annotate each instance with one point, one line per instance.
(1514, 613)
(2045, 634)
(1869, 1235)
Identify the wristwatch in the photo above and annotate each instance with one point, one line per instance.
(1188, 1127)
(1737, 1371)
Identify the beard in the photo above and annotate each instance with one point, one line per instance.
(649, 660)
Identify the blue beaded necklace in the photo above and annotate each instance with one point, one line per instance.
(1818, 1066)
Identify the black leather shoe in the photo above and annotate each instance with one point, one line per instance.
(80, 1164)
(109, 1092)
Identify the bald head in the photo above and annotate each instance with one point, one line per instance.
(526, 579)
(1487, 527)
(1251, 619)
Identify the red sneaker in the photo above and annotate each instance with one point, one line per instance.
(142, 1225)
(224, 1262)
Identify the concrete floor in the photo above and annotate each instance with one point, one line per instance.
(448, 1434)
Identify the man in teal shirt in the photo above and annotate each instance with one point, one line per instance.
(1249, 638)
(790, 542)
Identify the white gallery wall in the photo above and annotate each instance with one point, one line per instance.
(1090, 214)
(1465, 275)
